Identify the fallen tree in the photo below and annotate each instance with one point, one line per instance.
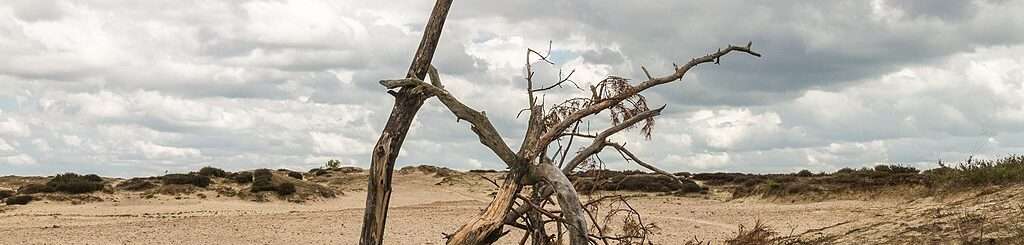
(533, 166)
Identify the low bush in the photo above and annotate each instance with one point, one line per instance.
(726, 178)
(427, 169)
(845, 171)
(241, 177)
(6, 193)
(634, 182)
(295, 175)
(285, 189)
(186, 179)
(348, 170)
(34, 188)
(804, 173)
(18, 200)
(972, 173)
(213, 172)
(262, 180)
(136, 184)
(318, 172)
(75, 184)
(896, 168)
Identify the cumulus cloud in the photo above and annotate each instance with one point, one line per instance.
(132, 88)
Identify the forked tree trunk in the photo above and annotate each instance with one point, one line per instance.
(407, 104)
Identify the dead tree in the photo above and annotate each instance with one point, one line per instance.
(407, 103)
(534, 164)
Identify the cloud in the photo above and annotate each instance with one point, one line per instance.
(136, 88)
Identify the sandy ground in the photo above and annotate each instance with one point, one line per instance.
(421, 211)
(425, 206)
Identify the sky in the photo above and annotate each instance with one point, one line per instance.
(130, 88)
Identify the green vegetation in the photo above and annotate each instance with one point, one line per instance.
(332, 164)
(974, 173)
(286, 188)
(136, 184)
(74, 184)
(610, 180)
(213, 172)
(33, 189)
(186, 179)
(261, 180)
(241, 177)
(18, 200)
(6, 193)
(295, 175)
(971, 173)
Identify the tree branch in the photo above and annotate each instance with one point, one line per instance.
(629, 156)
(601, 139)
(556, 130)
(480, 124)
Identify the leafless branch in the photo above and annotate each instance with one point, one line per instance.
(626, 154)
(598, 106)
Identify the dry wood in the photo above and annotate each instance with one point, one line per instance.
(385, 152)
(532, 165)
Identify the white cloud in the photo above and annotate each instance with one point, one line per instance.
(330, 143)
(14, 128)
(20, 159)
(154, 151)
(245, 84)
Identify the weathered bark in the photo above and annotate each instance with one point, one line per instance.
(568, 201)
(487, 228)
(385, 152)
(531, 165)
(538, 234)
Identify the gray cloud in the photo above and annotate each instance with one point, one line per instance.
(132, 88)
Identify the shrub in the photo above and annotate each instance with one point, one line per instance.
(75, 184)
(295, 175)
(18, 200)
(758, 234)
(6, 193)
(318, 171)
(635, 182)
(332, 164)
(648, 183)
(804, 173)
(186, 179)
(212, 172)
(136, 184)
(427, 169)
(34, 188)
(349, 170)
(262, 180)
(897, 169)
(285, 189)
(1007, 170)
(242, 177)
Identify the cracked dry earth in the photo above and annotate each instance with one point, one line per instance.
(421, 211)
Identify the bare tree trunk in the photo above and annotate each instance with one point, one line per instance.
(407, 104)
(487, 228)
(568, 201)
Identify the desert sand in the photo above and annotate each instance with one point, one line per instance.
(422, 210)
